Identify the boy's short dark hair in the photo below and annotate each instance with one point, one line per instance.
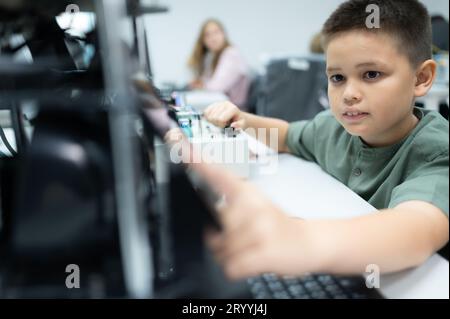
(407, 21)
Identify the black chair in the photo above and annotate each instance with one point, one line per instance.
(440, 33)
(293, 88)
(254, 93)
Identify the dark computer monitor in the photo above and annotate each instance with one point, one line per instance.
(58, 195)
(183, 262)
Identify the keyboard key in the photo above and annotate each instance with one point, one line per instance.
(334, 290)
(297, 290)
(312, 286)
(275, 286)
(257, 286)
(281, 295)
(340, 296)
(325, 279)
(270, 277)
(262, 295)
(348, 283)
(319, 295)
(290, 280)
(358, 296)
(307, 278)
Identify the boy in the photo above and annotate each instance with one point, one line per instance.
(373, 140)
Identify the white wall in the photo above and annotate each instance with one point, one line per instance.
(255, 26)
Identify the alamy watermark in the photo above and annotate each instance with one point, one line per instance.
(373, 276)
(373, 19)
(73, 279)
(250, 146)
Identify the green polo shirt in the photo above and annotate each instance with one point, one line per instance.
(416, 168)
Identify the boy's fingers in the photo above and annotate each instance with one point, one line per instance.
(174, 135)
(237, 124)
(218, 114)
(248, 264)
(236, 243)
(214, 240)
(214, 108)
(207, 111)
(239, 262)
(227, 116)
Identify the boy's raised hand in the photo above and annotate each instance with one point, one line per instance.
(175, 135)
(223, 114)
(257, 237)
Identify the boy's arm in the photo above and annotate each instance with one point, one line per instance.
(393, 239)
(257, 122)
(225, 113)
(258, 237)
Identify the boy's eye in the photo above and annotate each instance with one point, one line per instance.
(336, 78)
(372, 75)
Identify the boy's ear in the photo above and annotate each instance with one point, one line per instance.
(425, 75)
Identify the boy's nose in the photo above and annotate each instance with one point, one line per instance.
(351, 94)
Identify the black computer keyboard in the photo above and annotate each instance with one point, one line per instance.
(322, 286)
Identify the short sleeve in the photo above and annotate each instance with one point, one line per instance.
(302, 136)
(428, 183)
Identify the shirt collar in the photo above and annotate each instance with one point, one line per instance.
(367, 150)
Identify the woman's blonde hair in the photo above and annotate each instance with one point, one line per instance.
(315, 46)
(196, 61)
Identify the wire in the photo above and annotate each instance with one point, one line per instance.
(5, 141)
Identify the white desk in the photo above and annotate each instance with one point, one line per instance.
(302, 189)
(200, 99)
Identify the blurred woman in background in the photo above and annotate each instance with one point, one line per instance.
(218, 65)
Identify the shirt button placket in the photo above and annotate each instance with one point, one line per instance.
(357, 172)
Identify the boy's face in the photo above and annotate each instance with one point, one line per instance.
(370, 86)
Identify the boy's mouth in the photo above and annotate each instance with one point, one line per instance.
(354, 116)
